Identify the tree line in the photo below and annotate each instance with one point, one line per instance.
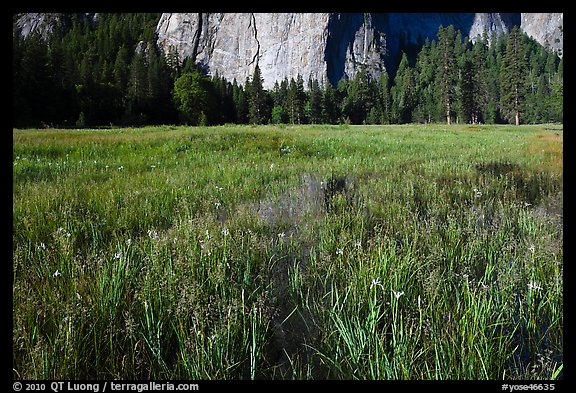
(111, 72)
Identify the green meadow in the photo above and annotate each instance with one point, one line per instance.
(288, 252)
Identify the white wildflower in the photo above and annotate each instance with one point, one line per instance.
(42, 246)
(477, 193)
(376, 282)
(118, 255)
(217, 204)
(152, 234)
(398, 294)
(281, 235)
(534, 286)
(56, 273)
(225, 231)
(339, 251)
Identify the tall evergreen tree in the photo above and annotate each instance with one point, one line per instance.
(384, 98)
(513, 76)
(279, 94)
(426, 107)
(137, 90)
(404, 92)
(225, 106)
(493, 60)
(256, 97)
(358, 97)
(447, 71)
(295, 100)
(314, 107)
(120, 70)
(240, 102)
(467, 92)
(330, 105)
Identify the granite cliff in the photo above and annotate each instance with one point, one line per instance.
(325, 46)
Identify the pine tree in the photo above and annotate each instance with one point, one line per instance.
(426, 107)
(493, 60)
(384, 98)
(404, 92)
(225, 106)
(240, 103)
(279, 93)
(513, 76)
(256, 97)
(314, 102)
(137, 90)
(296, 100)
(447, 71)
(467, 92)
(358, 97)
(330, 113)
(120, 70)
(158, 103)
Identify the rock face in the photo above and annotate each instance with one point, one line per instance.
(43, 23)
(323, 46)
(547, 29)
(232, 44)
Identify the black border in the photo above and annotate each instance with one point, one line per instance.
(290, 6)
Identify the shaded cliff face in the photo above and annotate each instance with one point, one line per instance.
(44, 23)
(323, 46)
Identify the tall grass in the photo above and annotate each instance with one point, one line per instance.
(313, 252)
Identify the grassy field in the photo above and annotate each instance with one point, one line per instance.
(313, 252)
